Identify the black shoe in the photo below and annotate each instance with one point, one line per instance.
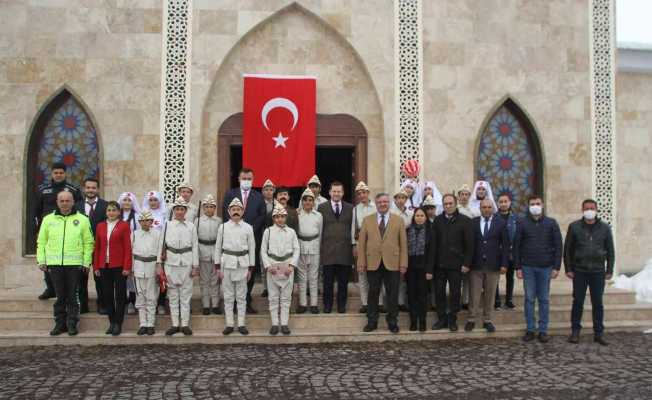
(465, 306)
(452, 326)
(327, 310)
(369, 328)
(489, 327)
(142, 331)
(600, 340)
(72, 330)
(205, 311)
(363, 310)
(302, 309)
(403, 308)
(109, 330)
(341, 310)
(393, 328)
(58, 330)
(528, 337)
(422, 325)
(497, 306)
(285, 330)
(265, 293)
(227, 331)
(509, 305)
(543, 337)
(150, 331)
(186, 330)
(381, 309)
(469, 326)
(243, 330)
(314, 310)
(117, 330)
(251, 310)
(413, 326)
(46, 295)
(273, 330)
(440, 324)
(172, 331)
(216, 310)
(574, 338)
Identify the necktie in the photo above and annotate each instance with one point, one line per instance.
(245, 196)
(337, 210)
(91, 212)
(486, 227)
(381, 226)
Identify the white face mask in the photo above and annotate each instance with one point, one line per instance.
(536, 210)
(245, 184)
(590, 214)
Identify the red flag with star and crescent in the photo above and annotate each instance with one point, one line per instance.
(279, 128)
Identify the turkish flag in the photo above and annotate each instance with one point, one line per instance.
(279, 128)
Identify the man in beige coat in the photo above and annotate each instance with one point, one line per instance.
(383, 254)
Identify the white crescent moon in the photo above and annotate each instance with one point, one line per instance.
(282, 103)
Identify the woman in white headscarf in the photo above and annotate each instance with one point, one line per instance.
(413, 190)
(430, 189)
(155, 203)
(481, 190)
(130, 209)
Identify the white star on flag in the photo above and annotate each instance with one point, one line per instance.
(280, 140)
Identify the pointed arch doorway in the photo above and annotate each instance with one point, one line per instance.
(341, 153)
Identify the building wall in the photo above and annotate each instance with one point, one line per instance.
(634, 167)
(109, 55)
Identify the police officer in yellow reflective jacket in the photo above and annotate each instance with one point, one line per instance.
(65, 249)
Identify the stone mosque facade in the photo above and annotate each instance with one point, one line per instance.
(144, 94)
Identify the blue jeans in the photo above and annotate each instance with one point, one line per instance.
(595, 283)
(536, 282)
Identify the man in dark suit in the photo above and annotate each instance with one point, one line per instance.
(490, 259)
(336, 253)
(453, 254)
(94, 208)
(254, 215)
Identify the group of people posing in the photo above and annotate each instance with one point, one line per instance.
(410, 250)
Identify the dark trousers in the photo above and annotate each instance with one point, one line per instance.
(452, 303)
(342, 274)
(49, 286)
(377, 278)
(417, 289)
(114, 290)
(82, 290)
(595, 283)
(65, 280)
(509, 288)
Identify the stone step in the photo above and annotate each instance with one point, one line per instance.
(42, 321)
(29, 302)
(260, 336)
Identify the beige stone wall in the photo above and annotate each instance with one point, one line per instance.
(109, 54)
(634, 167)
(476, 53)
(332, 40)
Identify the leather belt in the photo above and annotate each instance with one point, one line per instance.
(180, 251)
(235, 253)
(308, 238)
(144, 259)
(207, 242)
(280, 259)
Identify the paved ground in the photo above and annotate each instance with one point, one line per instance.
(466, 369)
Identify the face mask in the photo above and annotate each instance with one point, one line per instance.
(245, 185)
(590, 214)
(536, 210)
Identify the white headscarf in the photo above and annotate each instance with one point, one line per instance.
(474, 203)
(134, 206)
(413, 202)
(161, 213)
(436, 196)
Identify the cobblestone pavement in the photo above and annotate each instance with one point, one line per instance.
(463, 369)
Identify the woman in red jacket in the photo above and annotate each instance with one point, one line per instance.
(112, 264)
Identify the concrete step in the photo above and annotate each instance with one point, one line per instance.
(353, 322)
(260, 336)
